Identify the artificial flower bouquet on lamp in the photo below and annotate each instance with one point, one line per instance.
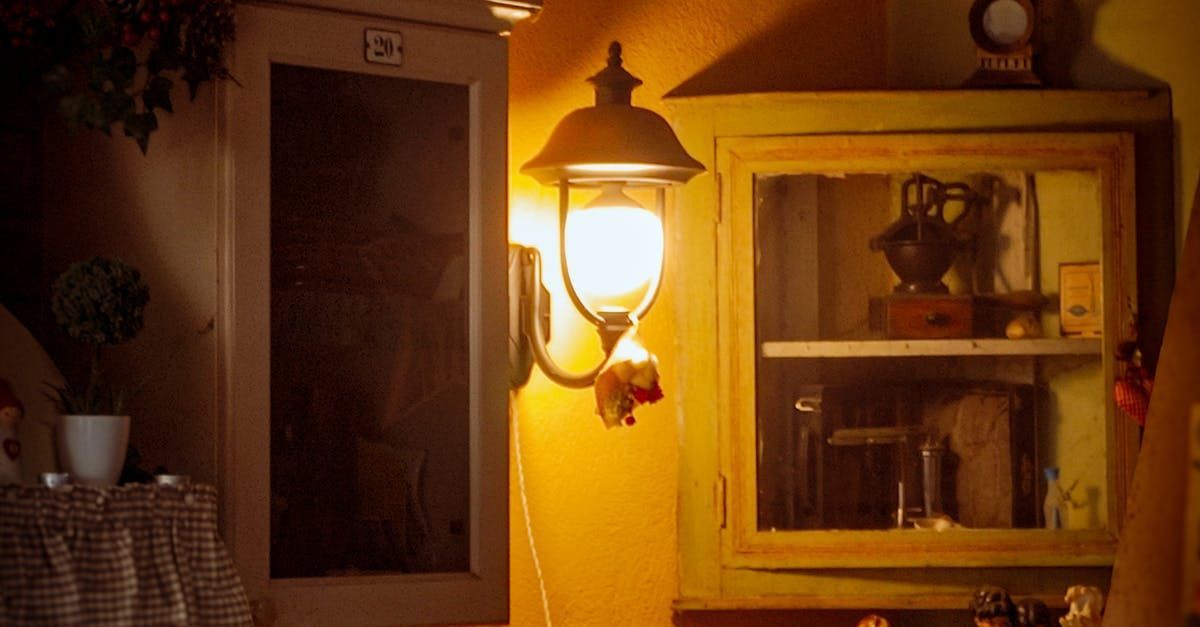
(99, 302)
(630, 379)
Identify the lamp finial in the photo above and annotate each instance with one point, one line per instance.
(614, 54)
(614, 85)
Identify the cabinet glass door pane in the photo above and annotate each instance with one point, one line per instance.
(369, 455)
(864, 423)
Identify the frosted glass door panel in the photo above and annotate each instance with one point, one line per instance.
(370, 456)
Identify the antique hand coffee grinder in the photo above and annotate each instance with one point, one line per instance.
(920, 246)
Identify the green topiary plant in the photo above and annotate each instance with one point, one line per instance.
(100, 302)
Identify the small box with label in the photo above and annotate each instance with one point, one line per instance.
(1079, 291)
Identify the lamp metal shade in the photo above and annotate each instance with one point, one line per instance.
(610, 142)
(613, 140)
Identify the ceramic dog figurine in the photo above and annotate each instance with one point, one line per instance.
(993, 607)
(873, 620)
(1086, 607)
(1033, 613)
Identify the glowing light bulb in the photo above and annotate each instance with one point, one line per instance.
(614, 245)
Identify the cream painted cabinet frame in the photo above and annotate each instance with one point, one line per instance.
(732, 554)
(270, 36)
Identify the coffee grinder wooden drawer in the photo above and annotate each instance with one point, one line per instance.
(924, 317)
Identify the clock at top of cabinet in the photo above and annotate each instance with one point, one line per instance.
(1006, 34)
(832, 461)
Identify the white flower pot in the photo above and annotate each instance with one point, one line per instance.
(92, 448)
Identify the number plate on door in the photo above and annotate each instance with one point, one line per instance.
(383, 46)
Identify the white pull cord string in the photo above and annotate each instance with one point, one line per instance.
(537, 564)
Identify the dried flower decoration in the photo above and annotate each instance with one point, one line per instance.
(629, 379)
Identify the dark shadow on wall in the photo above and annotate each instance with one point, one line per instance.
(1070, 56)
(817, 46)
(23, 290)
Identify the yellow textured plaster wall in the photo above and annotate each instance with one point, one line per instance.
(602, 503)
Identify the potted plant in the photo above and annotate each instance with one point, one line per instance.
(99, 302)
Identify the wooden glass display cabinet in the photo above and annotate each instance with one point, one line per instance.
(901, 387)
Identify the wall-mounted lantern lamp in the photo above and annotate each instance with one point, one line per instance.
(612, 146)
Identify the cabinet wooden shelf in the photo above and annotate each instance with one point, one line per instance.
(775, 514)
(974, 347)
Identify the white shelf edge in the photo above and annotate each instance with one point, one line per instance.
(931, 348)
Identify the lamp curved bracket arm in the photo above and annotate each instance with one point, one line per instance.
(529, 325)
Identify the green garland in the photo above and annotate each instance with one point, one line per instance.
(101, 63)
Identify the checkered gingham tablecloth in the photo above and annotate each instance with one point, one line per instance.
(129, 555)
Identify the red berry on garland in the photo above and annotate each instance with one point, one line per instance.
(164, 16)
(145, 17)
(629, 421)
